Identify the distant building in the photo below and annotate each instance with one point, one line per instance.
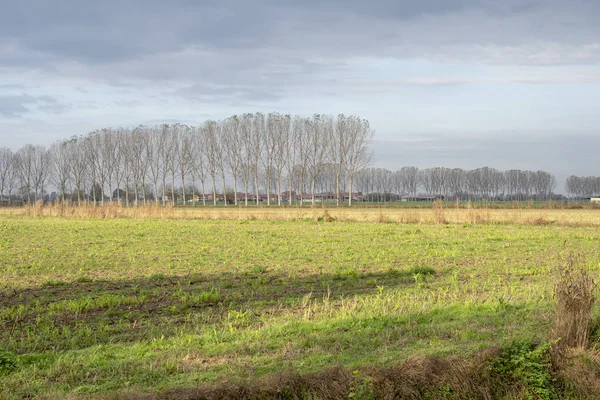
(595, 200)
(422, 198)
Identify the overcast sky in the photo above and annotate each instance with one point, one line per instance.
(456, 83)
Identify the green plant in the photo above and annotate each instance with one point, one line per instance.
(8, 363)
(361, 387)
(424, 271)
(529, 367)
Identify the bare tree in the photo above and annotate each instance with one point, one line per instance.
(118, 153)
(246, 146)
(290, 155)
(185, 157)
(409, 177)
(279, 126)
(198, 159)
(316, 150)
(79, 166)
(212, 151)
(339, 147)
(233, 147)
(33, 162)
(359, 154)
(255, 149)
(302, 145)
(130, 151)
(7, 166)
(154, 150)
(61, 167)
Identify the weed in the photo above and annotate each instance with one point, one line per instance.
(258, 269)
(361, 387)
(8, 363)
(528, 367)
(53, 283)
(421, 270)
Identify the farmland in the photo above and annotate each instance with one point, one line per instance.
(94, 306)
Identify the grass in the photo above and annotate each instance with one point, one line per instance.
(429, 213)
(94, 306)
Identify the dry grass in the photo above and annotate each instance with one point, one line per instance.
(438, 214)
(102, 211)
(574, 291)
(579, 372)
(416, 378)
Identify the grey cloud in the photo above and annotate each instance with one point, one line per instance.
(111, 32)
(376, 86)
(11, 86)
(232, 95)
(14, 106)
(238, 53)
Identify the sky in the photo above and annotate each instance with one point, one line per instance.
(453, 83)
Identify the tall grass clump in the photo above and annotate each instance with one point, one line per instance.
(439, 216)
(574, 292)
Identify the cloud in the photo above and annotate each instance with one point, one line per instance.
(406, 65)
(248, 53)
(392, 85)
(270, 34)
(227, 94)
(15, 106)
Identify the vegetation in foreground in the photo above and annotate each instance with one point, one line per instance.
(130, 306)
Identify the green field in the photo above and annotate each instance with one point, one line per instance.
(98, 306)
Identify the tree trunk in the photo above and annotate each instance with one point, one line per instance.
(350, 189)
(268, 187)
(256, 184)
(173, 189)
(301, 187)
(224, 190)
(214, 186)
(235, 195)
(279, 189)
(183, 188)
(337, 186)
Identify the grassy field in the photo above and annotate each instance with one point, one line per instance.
(94, 306)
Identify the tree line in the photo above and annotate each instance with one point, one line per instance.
(583, 186)
(245, 159)
(274, 157)
(455, 183)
